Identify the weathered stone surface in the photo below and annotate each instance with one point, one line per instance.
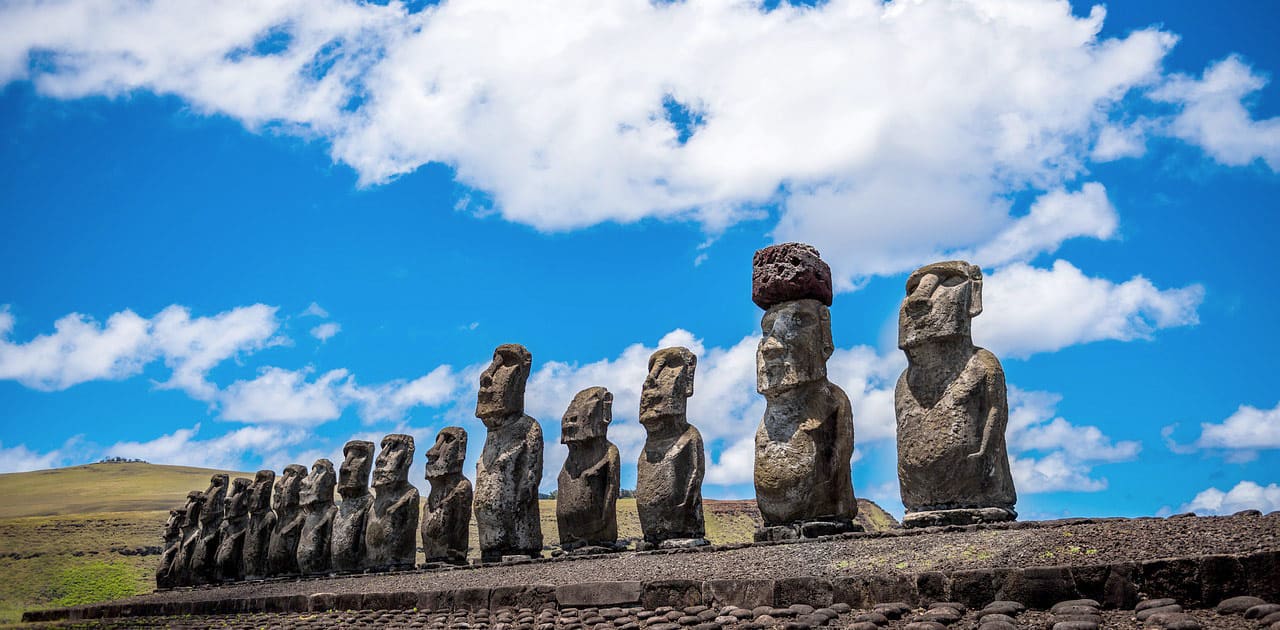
(204, 561)
(1172, 577)
(282, 550)
(1237, 605)
(523, 596)
(599, 594)
(1143, 615)
(447, 515)
(681, 594)
(1040, 587)
(672, 464)
(165, 576)
(391, 528)
(788, 272)
(315, 539)
(346, 546)
(510, 466)
(1154, 603)
(740, 593)
(805, 440)
(588, 485)
(931, 586)
(950, 404)
(1261, 610)
(261, 521)
(229, 561)
(802, 590)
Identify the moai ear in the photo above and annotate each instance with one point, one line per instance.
(828, 345)
(975, 291)
(691, 367)
(607, 403)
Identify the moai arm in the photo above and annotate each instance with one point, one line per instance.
(533, 462)
(614, 462)
(294, 526)
(995, 406)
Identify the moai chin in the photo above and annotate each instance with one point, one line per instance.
(231, 534)
(672, 464)
(190, 535)
(204, 564)
(804, 485)
(447, 515)
(347, 539)
(172, 548)
(282, 551)
(316, 497)
(261, 521)
(587, 490)
(392, 525)
(510, 466)
(951, 405)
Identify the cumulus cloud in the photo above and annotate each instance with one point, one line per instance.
(225, 452)
(1246, 495)
(325, 331)
(1054, 217)
(1029, 310)
(390, 401)
(1240, 436)
(1050, 454)
(278, 395)
(1213, 114)
(191, 347)
(21, 459)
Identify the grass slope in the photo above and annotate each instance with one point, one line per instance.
(92, 533)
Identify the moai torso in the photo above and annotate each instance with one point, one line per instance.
(318, 509)
(204, 567)
(587, 491)
(392, 524)
(282, 550)
(231, 534)
(672, 464)
(260, 523)
(447, 515)
(950, 402)
(510, 466)
(172, 545)
(347, 539)
(181, 571)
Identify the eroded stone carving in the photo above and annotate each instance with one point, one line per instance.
(171, 549)
(672, 464)
(588, 484)
(181, 572)
(510, 466)
(447, 515)
(231, 534)
(316, 497)
(260, 523)
(951, 405)
(282, 551)
(392, 525)
(803, 481)
(347, 546)
(204, 562)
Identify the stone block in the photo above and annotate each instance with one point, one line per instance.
(1039, 587)
(524, 596)
(674, 593)
(1171, 577)
(1091, 581)
(347, 601)
(320, 602)
(1121, 588)
(932, 587)
(394, 600)
(1262, 574)
(1221, 576)
(598, 594)
(815, 592)
(974, 588)
(746, 594)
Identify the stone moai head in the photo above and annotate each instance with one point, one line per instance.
(236, 505)
(588, 416)
(445, 457)
(289, 487)
(502, 385)
(357, 461)
(173, 526)
(392, 467)
(318, 486)
(191, 513)
(260, 491)
(665, 395)
(794, 347)
(942, 299)
(211, 513)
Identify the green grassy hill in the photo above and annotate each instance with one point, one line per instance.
(92, 533)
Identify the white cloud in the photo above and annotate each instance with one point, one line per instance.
(1246, 495)
(191, 347)
(1116, 141)
(326, 330)
(1239, 437)
(1068, 452)
(22, 459)
(315, 310)
(225, 452)
(1052, 473)
(390, 401)
(1028, 310)
(284, 396)
(1213, 114)
(1054, 217)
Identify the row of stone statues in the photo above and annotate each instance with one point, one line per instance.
(952, 464)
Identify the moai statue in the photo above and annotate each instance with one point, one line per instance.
(951, 405)
(390, 531)
(204, 563)
(347, 546)
(804, 486)
(447, 515)
(172, 548)
(669, 475)
(282, 550)
(587, 491)
(232, 532)
(316, 496)
(510, 466)
(190, 535)
(258, 531)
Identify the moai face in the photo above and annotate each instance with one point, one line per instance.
(353, 479)
(213, 500)
(588, 416)
(191, 513)
(942, 299)
(502, 385)
(392, 467)
(795, 346)
(236, 504)
(260, 491)
(288, 488)
(445, 457)
(665, 395)
(173, 526)
(318, 486)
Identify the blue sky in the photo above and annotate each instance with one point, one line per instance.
(238, 236)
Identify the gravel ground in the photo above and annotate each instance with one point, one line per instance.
(1066, 542)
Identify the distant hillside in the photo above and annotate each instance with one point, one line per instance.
(112, 487)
